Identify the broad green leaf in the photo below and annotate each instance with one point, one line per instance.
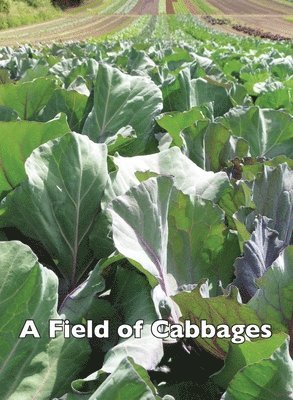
(128, 100)
(83, 304)
(247, 353)
(244, 222)
(128, 381)
(58, 202)
(232, 66)
(239, 96)
(188, 177)
(131, 298)
(18, 139)
(140, 227)
(239, 195)
(164, 230)
(38, 71)
(211, 146)
(199, 243)
(100, 311)
(255, 166)
(28, 98)
(267, 86)
(139, 61)
(210, 70)
(267, 131)
(278, 99)
(175, 122)
(69, 102)
(218, 310)
(87, 68)
(101, 241)
(71, 66)
(176, 56)
(234, 147)
(32, 367)
(123, 142)
(271, 378)
(282, 67)
(194, 138)
(79, 85)
(251, 76)
(187, 93)
(273, 300)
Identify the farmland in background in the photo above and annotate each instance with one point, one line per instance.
(95, 18)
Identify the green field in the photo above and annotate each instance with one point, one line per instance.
(15, 13)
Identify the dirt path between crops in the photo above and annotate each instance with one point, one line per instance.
(262, 7)
(169, 7)
(266, 15)
(146, 7)
(191, 7)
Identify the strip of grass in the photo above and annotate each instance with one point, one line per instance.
(162, 6)
(286, 2)
(88, 4)
(289, 18)
(21, 13)
(180, 7)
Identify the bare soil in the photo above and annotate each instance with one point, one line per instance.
(169, 7)
(262, 7)
(265, 15)
(146, 7)
(191, 7)
(273, 24)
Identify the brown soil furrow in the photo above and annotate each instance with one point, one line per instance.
(232, 7)
(169, 7)
(265, 15)
(273, 24)
(69, 25)
(95, 29)
(120, 23)
(286, 8)
(77, 28)
(191, 7)
(146, 7)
